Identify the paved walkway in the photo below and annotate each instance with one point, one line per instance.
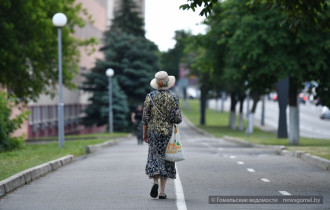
(114, 178)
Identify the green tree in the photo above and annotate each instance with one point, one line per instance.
(202, 61)
(297, 13)
(300, 14)
(248, 34)
(170, 60)
(133, 57)
(128, 19)
(134, 60)
(97, 111)
(261, 52)
(28, 45)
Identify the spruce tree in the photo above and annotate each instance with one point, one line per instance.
(97, 111)
(128, 19)
(134, 60)
(133, 57)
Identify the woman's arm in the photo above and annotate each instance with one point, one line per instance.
(133, 117)
(145, 135)
(146, 118)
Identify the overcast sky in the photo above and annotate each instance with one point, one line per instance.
(163, 17)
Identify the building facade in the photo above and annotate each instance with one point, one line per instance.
(43, 119)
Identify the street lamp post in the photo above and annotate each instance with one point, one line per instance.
(59, 20)
(110, 72)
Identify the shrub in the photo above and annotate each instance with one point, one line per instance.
(9, 124)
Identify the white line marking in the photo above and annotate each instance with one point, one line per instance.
(250, 170)
(232, 157)
(206, 144)
(265, 180)
(240, 162)
(180, 202)
(284, 192)
(220, 148)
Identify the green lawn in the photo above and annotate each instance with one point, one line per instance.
(85, 136)
(217, 125)
(34, 154)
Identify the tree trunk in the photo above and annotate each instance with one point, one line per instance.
(216, 104)
(241, 120)
(232, 117)
(282, 88)
(203, 107)
(293, 112)
(223, 101)
(262, 123)
(249, 128)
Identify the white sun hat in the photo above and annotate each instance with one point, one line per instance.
(162, 81)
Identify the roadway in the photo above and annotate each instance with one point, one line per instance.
(310, 123)
(114, 178)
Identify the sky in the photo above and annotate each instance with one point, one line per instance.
(163, 18)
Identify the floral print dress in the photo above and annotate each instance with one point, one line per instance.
(159, 115)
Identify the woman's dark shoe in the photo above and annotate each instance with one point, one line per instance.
(162, 196)
(154, 191)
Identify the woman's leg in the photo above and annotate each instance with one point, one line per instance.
(154, 189)
(156, 177)
(162, 185)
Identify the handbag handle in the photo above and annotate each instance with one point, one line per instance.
(155, 105)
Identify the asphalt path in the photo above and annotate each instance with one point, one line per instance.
(310, 123)
(114, 178)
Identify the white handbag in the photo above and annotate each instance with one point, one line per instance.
(174, 151)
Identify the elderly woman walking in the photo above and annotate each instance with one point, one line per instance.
(161, 110)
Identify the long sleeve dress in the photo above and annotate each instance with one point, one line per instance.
(159, 115)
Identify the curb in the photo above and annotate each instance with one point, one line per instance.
(92, 148)
(280, 149)
(190, 124)
(29, 175)
(312, 159)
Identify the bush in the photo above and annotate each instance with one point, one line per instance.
(8, 124)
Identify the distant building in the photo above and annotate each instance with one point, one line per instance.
(43, 120)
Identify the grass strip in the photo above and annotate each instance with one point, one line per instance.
(217, 125)
(32, 155)
(82, 136)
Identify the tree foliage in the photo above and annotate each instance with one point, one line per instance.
(8, 123)
(128, 19)
(247, 45)
(97, 111)
(28, 45)
(170, 60)
(252, 46)
(134, 60)
(300, 14)
(206, 4)
(297, 13)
